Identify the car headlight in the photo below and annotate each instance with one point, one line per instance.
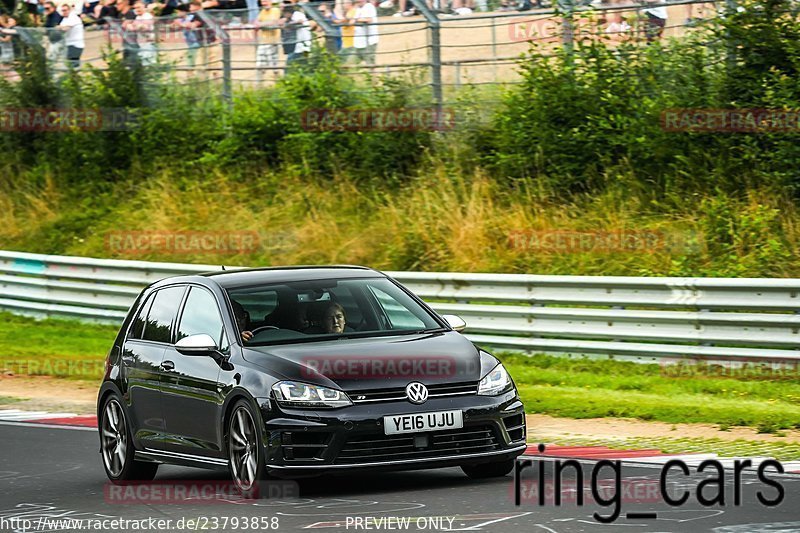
(295, 394)
(495, 382)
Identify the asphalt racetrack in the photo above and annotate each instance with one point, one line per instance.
(52, 480)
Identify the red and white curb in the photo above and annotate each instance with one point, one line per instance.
(647, 457)
(16, 416)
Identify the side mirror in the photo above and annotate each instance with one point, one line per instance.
(456, 322)
(201, 344)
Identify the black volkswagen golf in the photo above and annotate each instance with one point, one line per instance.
(291, 372)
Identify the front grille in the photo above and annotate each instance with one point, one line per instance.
(378, 447)
(399, 393)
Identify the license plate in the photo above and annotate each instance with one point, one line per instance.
(396, 424)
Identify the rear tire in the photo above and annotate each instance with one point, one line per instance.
(116, 446)
(487, 470)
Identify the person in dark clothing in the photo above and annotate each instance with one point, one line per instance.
(52, 17)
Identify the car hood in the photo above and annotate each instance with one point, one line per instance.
(374, 363)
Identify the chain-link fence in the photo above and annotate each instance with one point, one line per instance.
(255, 46)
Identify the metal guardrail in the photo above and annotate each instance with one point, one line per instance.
(625, 317)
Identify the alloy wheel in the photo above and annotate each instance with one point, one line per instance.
(115, 438)
(243, 448)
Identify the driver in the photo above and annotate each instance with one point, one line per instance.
(242, 318)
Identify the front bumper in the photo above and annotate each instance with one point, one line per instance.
(303, 442)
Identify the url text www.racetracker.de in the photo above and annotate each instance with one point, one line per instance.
(709, 490)
(201, 523)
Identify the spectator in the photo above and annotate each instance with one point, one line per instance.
(617, 29)
(365, 38)
(333, 43)
(130, 43)
(252, 10)
(32, 8)
(288, 32)
(268, 38)
(87, 14)
(6, 39)
(195, 32)
(55, 37)
(347, 53)
(124, 11)
(168, 7)
(655, 22)
(72, 26)
(106, 9)
(142, 26)
(296, 37)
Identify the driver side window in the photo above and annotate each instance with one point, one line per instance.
(201, 315)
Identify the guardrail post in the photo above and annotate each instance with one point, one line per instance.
(434, 27)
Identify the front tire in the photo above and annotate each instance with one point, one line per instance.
(488, 470)
(116, 446)
(245, 450)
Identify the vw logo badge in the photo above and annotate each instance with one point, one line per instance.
(417, 392)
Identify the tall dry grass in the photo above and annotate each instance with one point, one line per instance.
(438, 221)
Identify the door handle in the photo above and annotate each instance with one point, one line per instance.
(168, 365)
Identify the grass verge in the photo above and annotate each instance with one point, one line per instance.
(5, 400)
(53, 347)
(583, 388)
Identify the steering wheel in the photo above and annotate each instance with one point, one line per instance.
(262, 328)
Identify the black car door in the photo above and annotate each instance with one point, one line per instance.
(192, 392)
(143, 353)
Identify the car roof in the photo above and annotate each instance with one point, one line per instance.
(229, 279)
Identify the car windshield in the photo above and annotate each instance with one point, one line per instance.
(327, 309)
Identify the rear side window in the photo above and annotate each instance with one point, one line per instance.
(201, 315)
(162, 314)
(137, 328)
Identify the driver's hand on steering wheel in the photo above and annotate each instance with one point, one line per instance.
(247, 335)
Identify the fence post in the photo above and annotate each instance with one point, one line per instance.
(225, 40)
(435, 49)
(731, 7)
(567, 8)
(312, 13)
